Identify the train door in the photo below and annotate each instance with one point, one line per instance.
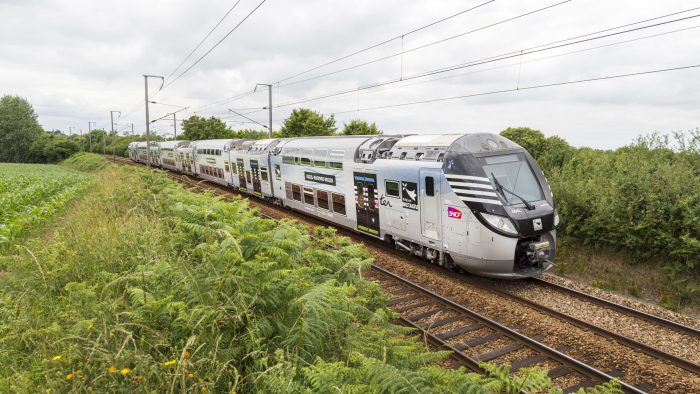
(431, 203)
(366, 202)
(255, 175)
(241, 174)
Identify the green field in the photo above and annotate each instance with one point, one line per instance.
(30, 193)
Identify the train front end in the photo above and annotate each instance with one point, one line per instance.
(512, 220)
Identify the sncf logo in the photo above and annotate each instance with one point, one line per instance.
(454, 213)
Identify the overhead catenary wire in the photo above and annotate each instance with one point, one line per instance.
(490, 59)
(373, 46)
(415, 30)
(278, 85)
(203, 40)
(522, 88)
(248, 93)
(214, 46)
(428, 44)
(544, 58)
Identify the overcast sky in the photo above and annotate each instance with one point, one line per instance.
(77, 60)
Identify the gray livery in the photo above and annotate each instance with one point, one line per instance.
(474, 201)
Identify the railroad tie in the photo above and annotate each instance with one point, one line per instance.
(459, 331)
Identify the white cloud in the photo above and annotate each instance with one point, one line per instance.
(76, 61)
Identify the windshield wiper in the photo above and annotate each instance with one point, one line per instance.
(502, 188)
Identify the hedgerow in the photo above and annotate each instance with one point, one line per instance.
(643, 198)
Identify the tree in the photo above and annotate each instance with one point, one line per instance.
(250, 134)
(305, 122)
(200, 128)
(532, 140)
(19, 129)
(360, 127)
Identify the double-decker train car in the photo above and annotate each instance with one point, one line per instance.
(474, 201)
(168, 154)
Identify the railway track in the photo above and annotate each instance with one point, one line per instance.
(650, 350)
(459, 327)
(455, 327)
(660, 321)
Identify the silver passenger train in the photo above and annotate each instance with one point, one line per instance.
(473, 201)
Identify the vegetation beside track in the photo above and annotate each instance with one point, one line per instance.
(639, 205)
(149, 287)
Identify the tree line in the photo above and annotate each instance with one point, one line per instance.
(23, 140)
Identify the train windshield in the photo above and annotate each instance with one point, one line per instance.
(513, 177)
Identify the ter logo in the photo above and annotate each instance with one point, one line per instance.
(454, 213)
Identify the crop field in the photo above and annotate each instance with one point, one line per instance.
(30, 193)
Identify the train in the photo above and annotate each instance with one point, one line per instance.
(477, 202)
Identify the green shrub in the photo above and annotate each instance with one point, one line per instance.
(84, 161)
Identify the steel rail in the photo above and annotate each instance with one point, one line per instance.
(619, 307)
(566, 360)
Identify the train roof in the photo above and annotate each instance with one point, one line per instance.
(478, 143)
(174, 144)
(229, 143)
(142, 144)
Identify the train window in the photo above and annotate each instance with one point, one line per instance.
(226, 167)
(392, 188)
(338, 203)
(288, 159)
(322, 199)
(296, 192)
(429, 186)
(403, 155)
(263, 174)
(218, 152)
(278, 172)
(234, 168)
(335, 159)
(288, 190)
(419, 155)
(320, 157)
(308, 196)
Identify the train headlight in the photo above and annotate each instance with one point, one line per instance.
(500, 223)
(556, 220)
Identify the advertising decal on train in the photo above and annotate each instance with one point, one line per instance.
(409, 195)
(319, 178)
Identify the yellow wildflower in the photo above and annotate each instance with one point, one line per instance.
(69, 377)
(190, 375)
(138, 378)
(112, 369)
(125, 371)
(187, 354)
(79, 374)
(91, 326)
(56, 358)
(204, 389)
(169, 363)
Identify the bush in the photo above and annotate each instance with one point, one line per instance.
(643, 198)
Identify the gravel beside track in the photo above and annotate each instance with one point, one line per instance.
(631, 366)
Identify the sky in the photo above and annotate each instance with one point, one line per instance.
(77, 60)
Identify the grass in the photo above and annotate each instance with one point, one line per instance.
(617, 271)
